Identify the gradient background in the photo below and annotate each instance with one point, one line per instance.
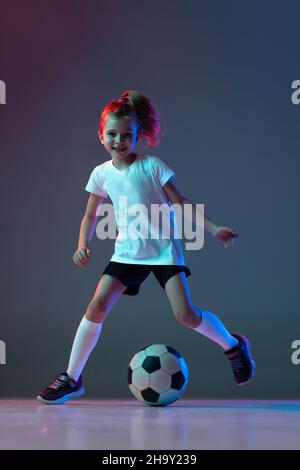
(220, 73)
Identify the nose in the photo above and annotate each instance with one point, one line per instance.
(117, 139)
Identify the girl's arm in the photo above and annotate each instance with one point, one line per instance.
(82, 255)
(88, 224)
(224, 234)
(176, 197)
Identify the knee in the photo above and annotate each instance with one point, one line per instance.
(190, 317)
(97, 310)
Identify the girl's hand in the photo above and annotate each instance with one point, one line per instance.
(226, 235)
(81, 257)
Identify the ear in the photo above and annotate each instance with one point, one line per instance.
(100, 137)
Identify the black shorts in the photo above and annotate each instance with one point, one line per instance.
(132, 275)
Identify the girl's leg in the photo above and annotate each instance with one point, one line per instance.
(202, 321)
(106, 295)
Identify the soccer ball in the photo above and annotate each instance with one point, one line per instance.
(157, 375)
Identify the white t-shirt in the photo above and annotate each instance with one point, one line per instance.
(141, 183)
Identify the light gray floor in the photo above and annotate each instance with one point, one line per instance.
(129, 424)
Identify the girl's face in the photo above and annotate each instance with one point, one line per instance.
(119, 136)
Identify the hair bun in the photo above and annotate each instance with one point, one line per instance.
(123, 99)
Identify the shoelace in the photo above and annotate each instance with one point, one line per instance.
(237, 362)
(57, 384)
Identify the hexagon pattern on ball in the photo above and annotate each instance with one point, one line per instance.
(158, 375)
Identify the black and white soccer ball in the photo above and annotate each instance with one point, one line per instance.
(158, 375)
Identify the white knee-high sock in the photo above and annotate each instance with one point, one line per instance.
(212, 327)
(85, 340)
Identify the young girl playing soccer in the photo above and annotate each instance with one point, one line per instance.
(146, 180)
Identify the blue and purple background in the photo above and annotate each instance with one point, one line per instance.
(220, 73)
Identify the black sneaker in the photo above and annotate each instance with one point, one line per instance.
(62, 389)
(242, 363)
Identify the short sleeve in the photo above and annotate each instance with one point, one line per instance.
(162, 171)
(95, 184)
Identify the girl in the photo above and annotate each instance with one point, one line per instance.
(147, 180)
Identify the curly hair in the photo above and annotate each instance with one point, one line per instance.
(134, 104)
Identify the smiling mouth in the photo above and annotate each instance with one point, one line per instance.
(120, 149)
